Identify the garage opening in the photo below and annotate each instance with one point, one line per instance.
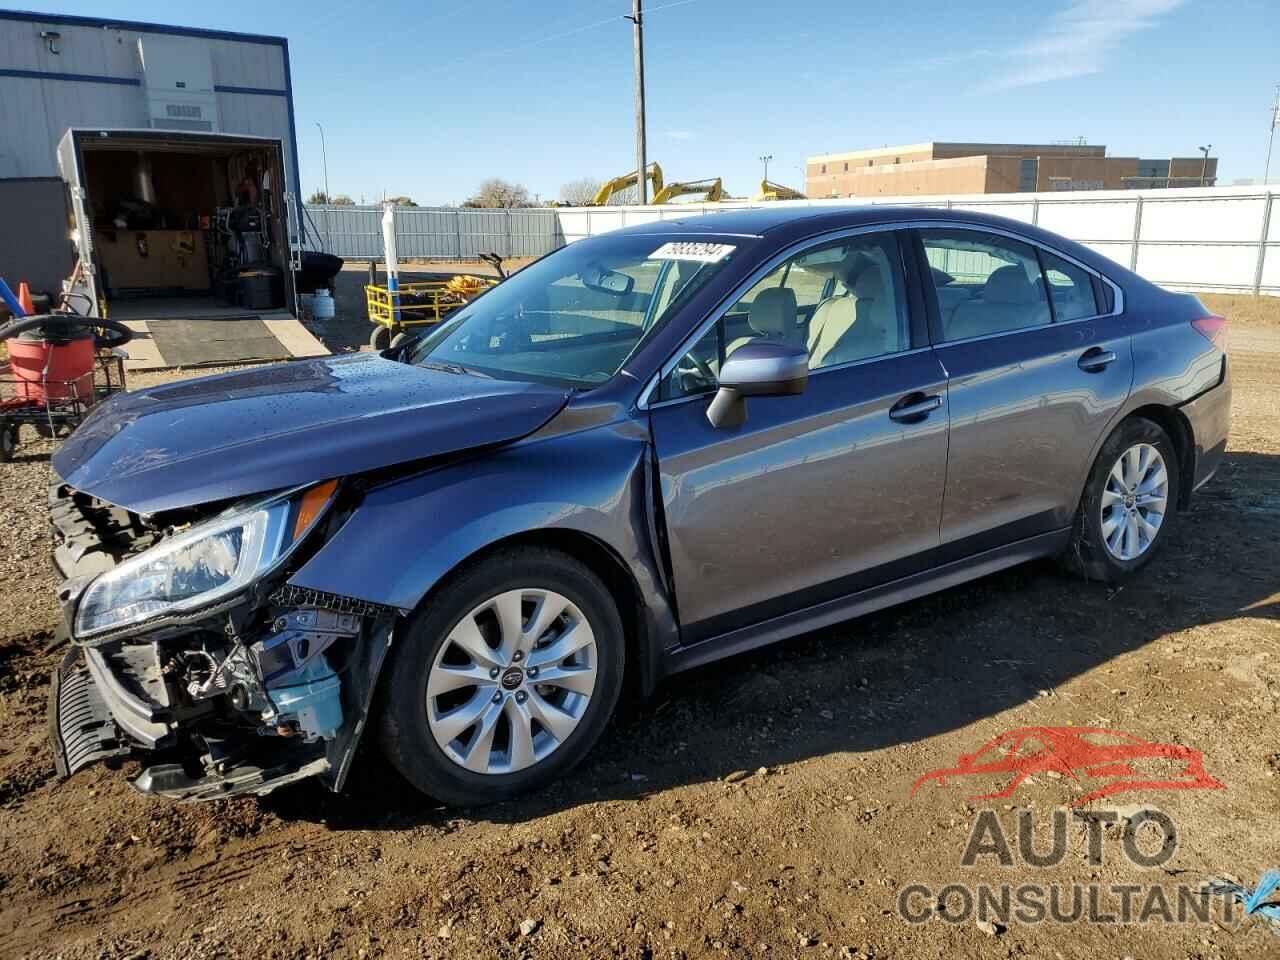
(186, 230)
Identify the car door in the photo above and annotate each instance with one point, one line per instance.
(1035, 374)
(815, 495)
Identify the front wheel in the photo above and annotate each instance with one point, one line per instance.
(505, 680)
(1128, 504)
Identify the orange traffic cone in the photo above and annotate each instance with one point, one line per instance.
(24, 298)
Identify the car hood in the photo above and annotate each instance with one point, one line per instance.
(265, 428)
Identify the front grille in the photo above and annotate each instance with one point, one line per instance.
(91, 536)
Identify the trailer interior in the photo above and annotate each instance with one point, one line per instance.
(186, 228)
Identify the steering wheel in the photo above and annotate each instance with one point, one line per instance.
(693, 366)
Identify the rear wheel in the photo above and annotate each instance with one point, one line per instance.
(380, 339)
(8, 440)
(505, 680)
(1128, 504)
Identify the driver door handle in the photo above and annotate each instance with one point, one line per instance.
(914, 407)
(1095, 360)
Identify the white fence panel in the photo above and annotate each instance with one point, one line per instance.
(1090, 222)
(1216, 238)
(1204, 220)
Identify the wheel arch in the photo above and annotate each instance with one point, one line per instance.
(643, 666)
(1174, 423)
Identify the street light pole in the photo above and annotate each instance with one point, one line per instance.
(637, 20)
(324, 155)
(328, 197)
(1204, 164)
(765, 158)
(1275, 122)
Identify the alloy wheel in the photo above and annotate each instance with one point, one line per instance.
(512, 681)
(1134, 501)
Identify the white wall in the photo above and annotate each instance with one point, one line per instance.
(1224, 239)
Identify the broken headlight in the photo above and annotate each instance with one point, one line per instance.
(199, 566)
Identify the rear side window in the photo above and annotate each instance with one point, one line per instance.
(1070, 289)
(985, 284)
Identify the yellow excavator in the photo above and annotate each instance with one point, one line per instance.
(610, 189)
(711, 189)
(776, 191)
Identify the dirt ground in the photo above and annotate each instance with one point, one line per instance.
(760, 807)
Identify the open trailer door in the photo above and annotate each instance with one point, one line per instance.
(82, 290)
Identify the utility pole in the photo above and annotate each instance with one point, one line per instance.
(1204, 164)
(637, 21)
(1275, 122)
(765, 158)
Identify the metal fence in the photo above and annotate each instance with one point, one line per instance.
(442, 233)
(1223, 239)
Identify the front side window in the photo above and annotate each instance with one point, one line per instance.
(985, 284)
(574, 317)
(841, 301)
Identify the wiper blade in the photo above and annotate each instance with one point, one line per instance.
(455, 368)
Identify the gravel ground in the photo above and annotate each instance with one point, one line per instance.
(760, 807)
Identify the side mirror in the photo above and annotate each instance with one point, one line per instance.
(763, 368)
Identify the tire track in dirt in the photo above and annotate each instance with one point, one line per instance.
(189, 886)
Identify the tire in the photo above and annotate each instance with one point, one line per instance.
(380, 339)
(8, 441)
(400, 338)
(1100, 549)
(416, 722)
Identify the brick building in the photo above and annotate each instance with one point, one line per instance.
(944, 168)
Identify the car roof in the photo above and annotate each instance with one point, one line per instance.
(759, 221)
(784, 223)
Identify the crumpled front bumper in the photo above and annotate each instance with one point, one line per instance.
(109, 699)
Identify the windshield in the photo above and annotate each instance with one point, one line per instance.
(575, 316)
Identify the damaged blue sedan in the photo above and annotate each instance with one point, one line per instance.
(645, 451)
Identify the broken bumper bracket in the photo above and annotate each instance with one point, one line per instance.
(80, 724)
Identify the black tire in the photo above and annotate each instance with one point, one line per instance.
(405, 736)
(1088, 554)
(380, 339)
(8, 440)
(399, 338)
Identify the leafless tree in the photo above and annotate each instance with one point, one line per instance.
(496, 192)
(578, 193)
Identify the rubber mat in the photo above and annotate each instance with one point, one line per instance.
(192, 343)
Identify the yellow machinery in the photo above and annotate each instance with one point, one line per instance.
(420, 304)
(776, 191)
(711, 188)
(653, 173)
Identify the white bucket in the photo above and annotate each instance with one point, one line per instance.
(322, 306)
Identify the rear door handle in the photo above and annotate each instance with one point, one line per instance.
(1095, 360)
(914, 407)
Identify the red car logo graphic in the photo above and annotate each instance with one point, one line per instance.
(1076, 753)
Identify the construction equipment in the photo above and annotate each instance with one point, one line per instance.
(653, 173)
(711, 188)
(776, 191)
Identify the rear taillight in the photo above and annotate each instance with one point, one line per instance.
(1214, 329)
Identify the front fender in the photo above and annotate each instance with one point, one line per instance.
(407, 535)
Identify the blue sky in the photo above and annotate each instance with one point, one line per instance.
(428, 98)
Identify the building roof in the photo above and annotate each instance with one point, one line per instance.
(139, 26)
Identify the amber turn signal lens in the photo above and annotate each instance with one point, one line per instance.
(313, 501)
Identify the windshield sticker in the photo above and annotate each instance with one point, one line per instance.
(693, 250)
